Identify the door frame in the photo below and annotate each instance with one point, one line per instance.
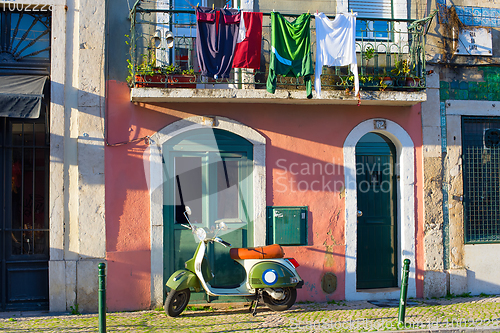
(405, 218)
(392, 211)
(154, 157)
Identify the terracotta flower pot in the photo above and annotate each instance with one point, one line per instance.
(388, 82)
(413, 82)
(155, 80)
(181, 81)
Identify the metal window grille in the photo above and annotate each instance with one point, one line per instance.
(481, 165)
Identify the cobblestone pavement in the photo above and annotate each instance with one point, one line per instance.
(475, 314)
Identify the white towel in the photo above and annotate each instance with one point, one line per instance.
(242, 33)
(335, 46)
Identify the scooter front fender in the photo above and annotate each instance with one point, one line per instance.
(183, 279)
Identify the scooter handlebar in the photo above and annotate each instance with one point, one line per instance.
(221, 241)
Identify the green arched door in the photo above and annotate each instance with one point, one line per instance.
(208, 170)
(376, 227)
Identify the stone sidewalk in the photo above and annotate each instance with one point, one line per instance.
(469, 314)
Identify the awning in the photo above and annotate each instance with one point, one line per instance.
(21, 95)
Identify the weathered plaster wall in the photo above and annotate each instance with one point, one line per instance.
(294, 134)
(442, 38)
(434, 275)
(76, 204)
(453, 77)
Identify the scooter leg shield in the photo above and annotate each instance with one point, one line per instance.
(183, 279)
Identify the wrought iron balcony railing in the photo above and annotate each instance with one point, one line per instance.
(390, 55)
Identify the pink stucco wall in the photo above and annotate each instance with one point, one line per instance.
(294, 134)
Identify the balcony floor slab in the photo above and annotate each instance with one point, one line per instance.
(282, 96)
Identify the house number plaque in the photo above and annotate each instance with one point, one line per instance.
(379, 124)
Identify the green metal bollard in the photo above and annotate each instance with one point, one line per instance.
(404, 292)
(102, 297)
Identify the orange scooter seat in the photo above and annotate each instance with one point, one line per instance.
(265, 252)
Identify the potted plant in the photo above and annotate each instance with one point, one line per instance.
(385, 81)
(347, 83)
(401, 70)
(368, 55)
(147, 74)
(367, 81)
(178, 78)
(413, 82)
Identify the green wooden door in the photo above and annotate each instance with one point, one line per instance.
(376, 229)
(209, 171)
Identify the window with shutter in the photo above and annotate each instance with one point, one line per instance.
(377, 9)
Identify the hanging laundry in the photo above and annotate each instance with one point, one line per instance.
(335, 46)
(248, 48)
(290, 50)
(216, 34)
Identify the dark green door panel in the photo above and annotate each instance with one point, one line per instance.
(376, 229)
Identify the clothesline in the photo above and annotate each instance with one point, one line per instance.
(290, 52)
(330, 16)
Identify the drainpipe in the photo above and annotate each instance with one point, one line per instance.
(446, 216)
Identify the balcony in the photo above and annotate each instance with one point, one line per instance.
(163, 66)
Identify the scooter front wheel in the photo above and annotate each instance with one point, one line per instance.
(176, 301)
(290, 295)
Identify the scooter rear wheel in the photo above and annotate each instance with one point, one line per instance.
(281, 304)
(176, 301)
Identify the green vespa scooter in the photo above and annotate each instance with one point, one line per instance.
(269, 276)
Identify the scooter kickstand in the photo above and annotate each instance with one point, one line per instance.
(259, 295)
(251, 305)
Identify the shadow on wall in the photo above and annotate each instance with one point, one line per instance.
(477, 286)
(322, 269)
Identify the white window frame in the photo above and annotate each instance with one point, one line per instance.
(398, 11)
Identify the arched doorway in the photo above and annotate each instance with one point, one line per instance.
(376, 220)
(208, 170)
(157, 177)
(405, 198)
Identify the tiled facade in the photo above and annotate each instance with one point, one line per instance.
(473, 16)
(473, 90)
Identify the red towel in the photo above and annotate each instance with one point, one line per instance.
(247, 53)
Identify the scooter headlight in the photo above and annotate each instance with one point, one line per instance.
(201, 234)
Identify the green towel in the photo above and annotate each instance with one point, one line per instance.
(290, 50)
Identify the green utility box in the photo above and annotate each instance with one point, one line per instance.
(287, 225)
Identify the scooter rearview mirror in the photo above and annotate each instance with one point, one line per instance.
(222, 226)
(186, 213)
